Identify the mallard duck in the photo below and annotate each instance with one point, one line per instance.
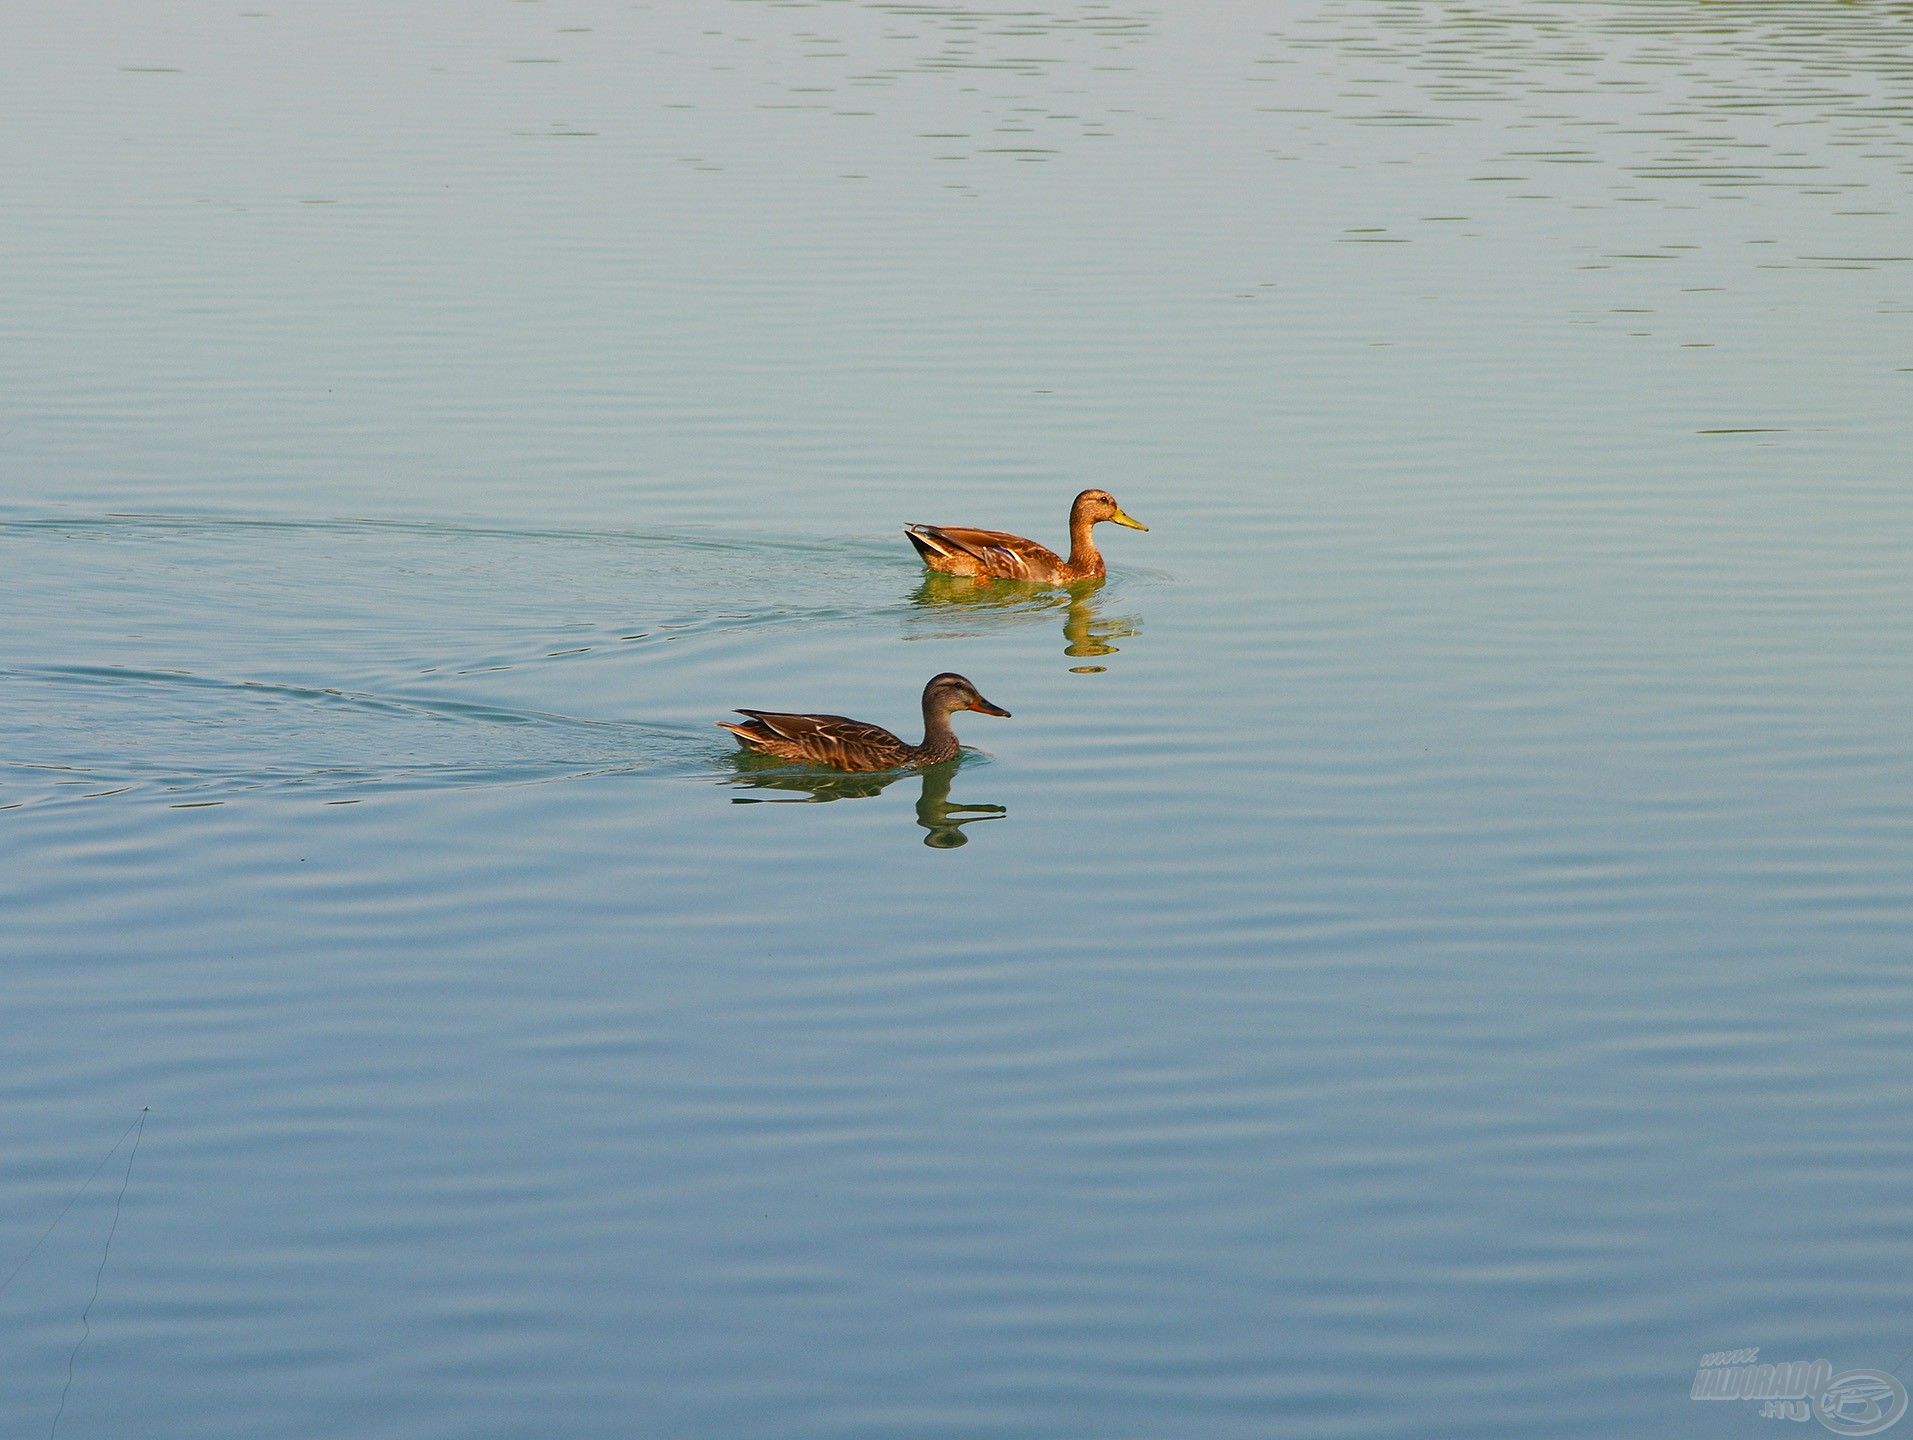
(993, 555)
(845, 744)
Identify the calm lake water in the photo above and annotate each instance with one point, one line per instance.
(1428, 956)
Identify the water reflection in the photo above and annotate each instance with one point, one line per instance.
(1087, 632)
(1776, 72)
(941, 817)
(1027, 75)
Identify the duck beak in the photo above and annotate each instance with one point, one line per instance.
(1123, 517)
(984, 707)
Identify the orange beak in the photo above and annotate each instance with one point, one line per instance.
(984, 707)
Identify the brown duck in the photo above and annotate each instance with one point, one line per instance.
(845, 744)
(994, 555)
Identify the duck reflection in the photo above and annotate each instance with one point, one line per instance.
(941, 817)
(1088, 634)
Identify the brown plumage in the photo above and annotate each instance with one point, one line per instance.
(844, 744)
(994, 555)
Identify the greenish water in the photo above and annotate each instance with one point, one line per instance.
(1427, 957)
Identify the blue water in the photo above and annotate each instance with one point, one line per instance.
(1428, 956)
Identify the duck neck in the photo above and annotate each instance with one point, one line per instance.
(939, 738)
(1084, 557)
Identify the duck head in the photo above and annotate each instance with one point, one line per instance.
(1098, 505)
(948, 693)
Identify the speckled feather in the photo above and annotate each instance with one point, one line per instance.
(998, 555)
(833, 740)
(841, 743)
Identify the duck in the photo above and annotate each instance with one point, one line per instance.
(839, 743)
(994, 555)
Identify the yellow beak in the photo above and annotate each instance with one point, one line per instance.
(1123, 517)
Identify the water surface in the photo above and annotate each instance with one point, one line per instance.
(1426, 958)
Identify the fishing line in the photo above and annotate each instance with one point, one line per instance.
(15, 1273)
(86, 1327)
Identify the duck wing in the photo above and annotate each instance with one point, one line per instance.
(833, 740)
(968, 551)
